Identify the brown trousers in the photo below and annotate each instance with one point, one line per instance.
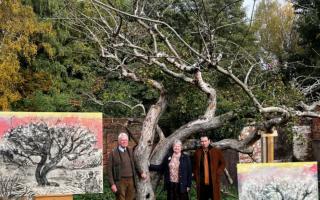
(126, 189)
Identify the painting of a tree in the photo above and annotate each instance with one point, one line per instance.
(48, 150)
(278, 181)
(45, 146)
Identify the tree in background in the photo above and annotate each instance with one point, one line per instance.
(66, 62)
(289, 37)
(140, 43)
(18, 28)
(274, 27)
(308, 12)
(186, 66)
(303, 65)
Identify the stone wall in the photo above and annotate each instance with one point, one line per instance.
(316, 144)
(257, 154)
(302, 143)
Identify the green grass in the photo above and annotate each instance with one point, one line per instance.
(228, 194)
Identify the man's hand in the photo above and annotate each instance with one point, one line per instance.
(188, 189)
(114, 188)
(143, 175)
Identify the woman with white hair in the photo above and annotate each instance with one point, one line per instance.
(177, 171)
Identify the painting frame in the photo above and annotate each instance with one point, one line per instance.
(51, 153)
(291, 180)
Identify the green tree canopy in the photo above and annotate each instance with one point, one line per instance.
(303, 65)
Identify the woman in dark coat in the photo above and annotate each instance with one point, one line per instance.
(177, 170)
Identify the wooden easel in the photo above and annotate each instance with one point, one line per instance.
(56, 197)
(268, 146)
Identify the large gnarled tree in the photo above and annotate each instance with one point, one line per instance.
(141, 39)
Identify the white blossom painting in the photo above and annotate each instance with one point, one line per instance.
(278, 181)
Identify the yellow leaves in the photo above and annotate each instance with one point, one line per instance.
(36, 81)
(6, 98)
(98, 84)
(48, 49)
(19, 26)
(9, 66)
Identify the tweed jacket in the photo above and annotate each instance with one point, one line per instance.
(114, 165)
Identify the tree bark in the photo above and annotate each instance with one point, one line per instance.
(143, 149)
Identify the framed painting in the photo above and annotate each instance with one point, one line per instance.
(278, 181)
(50, 153)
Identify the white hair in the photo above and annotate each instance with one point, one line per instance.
(177, 142)
(123, 135)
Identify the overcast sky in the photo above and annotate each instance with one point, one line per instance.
(248, 4)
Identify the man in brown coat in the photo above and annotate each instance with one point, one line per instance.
(121, 170)
(208, 166)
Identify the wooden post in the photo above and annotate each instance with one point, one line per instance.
(268, 146)
(56, 197)
(270, 149)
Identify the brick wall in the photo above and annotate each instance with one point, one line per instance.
(315, 126)
(111, 129)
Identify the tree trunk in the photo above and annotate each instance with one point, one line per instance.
(43, 169)
(142, 154)
(40, 166)
(41, 176)
(143, 150)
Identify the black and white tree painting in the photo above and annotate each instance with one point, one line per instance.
(52, 153)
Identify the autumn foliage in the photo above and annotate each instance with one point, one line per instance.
(18, 28)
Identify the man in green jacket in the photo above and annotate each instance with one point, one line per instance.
(121, 170)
